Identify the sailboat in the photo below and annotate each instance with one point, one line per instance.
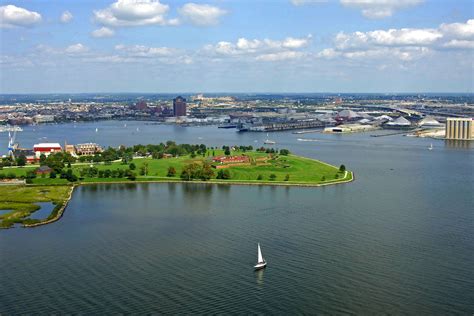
(269, 142)
(431, 146)
(261, 263)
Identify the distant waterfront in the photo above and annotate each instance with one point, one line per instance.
(397, 240)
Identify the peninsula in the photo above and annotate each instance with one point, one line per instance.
(52, 177)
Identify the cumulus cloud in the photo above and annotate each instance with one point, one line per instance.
(303, 2)
(133, 13)
(258, 47)
(103, 32)
(12, 16)
(404, 44)
(76, 49)
(145, 51)
(66, 17)
(378, 9)
(391, 37)
(280, 56)
(201, 14)
(459, 44)
(459, 30)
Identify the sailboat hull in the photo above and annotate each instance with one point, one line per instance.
(260, 265)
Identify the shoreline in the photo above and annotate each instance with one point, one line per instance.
(71, 191)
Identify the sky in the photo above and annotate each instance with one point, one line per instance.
(165, 46)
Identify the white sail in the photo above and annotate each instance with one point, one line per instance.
(260, 258)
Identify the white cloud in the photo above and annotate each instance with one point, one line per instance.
(245, 46)
(201, 14)
(12, 16)
(459, 44)
(459, 30)
(145, 51)
(304, 2)
(378, 9)
(133, 13)
(76, 49)
(391, 37)
(402, 44)
(103, 32)
(66, 17)
(280, 56)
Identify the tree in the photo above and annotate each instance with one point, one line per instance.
(132, 166)
(171, 172)
(227, 151)
(42, 159)
(52, 175)
(130, 175)
(323, 178)
(287, 177)
(206, 172)
(144, 169)
(190, 171)
(272, 177)
(342, 168)
(55, 161)
(284, 152)
(30, 174)
(223, 174)
(21, 160)
(260, 177)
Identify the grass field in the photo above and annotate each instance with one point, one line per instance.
(20, 201)
(299, 170)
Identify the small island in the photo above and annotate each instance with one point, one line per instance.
(54, 177)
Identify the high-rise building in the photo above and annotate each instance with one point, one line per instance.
(179, 106)
(459, 128)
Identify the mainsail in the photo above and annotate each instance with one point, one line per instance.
(260, 258)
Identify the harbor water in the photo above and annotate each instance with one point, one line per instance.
(397, 240)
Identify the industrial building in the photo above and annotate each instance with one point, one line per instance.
(46, 149)
(459, 129)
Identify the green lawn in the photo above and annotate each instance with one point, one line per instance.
(299, 169)
(20, 201)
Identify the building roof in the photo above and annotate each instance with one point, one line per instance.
(44, 169)
(47, 145)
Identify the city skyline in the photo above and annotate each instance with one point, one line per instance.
(230, 46)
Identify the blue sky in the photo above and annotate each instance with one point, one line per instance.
(237, 46)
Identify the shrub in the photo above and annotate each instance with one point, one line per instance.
(272, 177)
(223, 174)
(171, 172)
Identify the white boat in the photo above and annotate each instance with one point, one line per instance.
(269, 142)
(261, 263)
(96, 130)
(431, 146)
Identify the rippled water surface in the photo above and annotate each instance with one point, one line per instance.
(397, 240)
